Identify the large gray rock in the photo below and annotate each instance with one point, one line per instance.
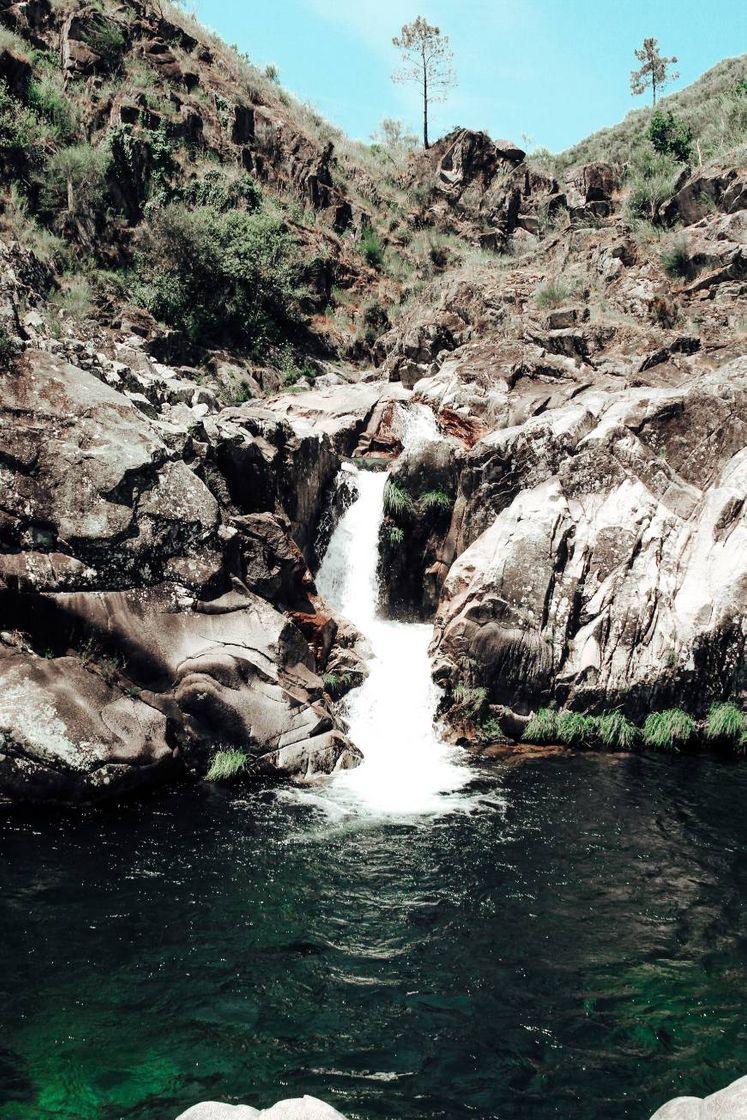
(601, 552)
(150, 618)
(298, 1108)
(727, 1104)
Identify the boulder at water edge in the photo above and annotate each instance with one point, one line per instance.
(728, 1104)
(298, 1108)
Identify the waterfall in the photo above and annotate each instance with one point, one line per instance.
(407, 767)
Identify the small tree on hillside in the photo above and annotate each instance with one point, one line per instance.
(654, 70)
(394, 138)
(427, 60)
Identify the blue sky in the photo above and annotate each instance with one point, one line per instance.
(552, 70)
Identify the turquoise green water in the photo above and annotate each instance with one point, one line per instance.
(573, 947)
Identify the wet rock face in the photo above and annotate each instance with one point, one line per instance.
(154, 591)
(602, 553)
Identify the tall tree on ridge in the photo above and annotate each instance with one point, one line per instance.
(654, 70)
(426, 59)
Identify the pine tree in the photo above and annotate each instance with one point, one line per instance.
(427, 60)
(654, 70)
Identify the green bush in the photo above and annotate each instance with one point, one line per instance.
(575, 729)
(106, 38)
(22, 139)
(668, 730)
(75, 183)
(371, 248)
(542, 727)
(670, 136)
(616, 731)
(651, 178)
(490, 730)
(395, 536)
(223, 278)
(226, 764)
(469, 700)
(397, 502)
(726, 722)
(217, 190)
(553, 293)
(50, 104)
(7, 348)
(676, 260)
(436, 501)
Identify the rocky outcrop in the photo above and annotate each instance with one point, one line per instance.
(155, 596)
(601, 553)
(727, 1104)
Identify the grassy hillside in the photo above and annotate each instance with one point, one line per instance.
(712, 106)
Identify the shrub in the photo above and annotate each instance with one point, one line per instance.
(105, 38)
(371, 248)
(22, 139)
(75, 185)
(575, 729)
(7, 349)
(395, 536)
(75, 298)
(50, 103)
(397, 502)
(226, 764)
(668, 730)
(437, 501)
(469, 700)
(217, 190)
(651, 180)
(490, 730)
(726, 722)
(337, 683)
(228, 278)
(676, 261)
(670, 136)
(553, 293)
(615, 730)
(541, 728)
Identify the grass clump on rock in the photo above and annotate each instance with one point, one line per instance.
(726, 723)
(437, 501)
(574, 729)
(226, 764)
(542, 727)
(553, 293)
(616, 731)
(668, 730)
(397, 502)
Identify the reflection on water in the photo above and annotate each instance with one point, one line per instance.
(577, 952)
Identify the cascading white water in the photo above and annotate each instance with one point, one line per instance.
(407, 768)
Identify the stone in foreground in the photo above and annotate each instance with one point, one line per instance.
(728, 1104)
(298, 1108)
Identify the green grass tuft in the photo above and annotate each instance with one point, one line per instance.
(676, 262)
(668, 730)
(397, 502)
(726, 722)
(395, 536)
(575, 729)
(542, 727)
(437, 501)
(617, 731)
(469, 700)
(553, 293)
(490, 730)
(226, 764)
